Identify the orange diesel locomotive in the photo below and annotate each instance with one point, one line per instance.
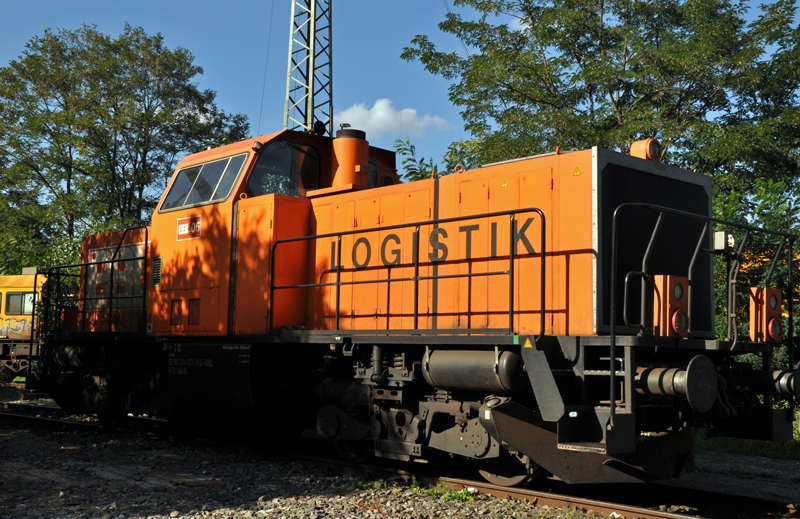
(548, 314)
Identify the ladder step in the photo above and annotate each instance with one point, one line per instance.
(602, 372)
(595, 447)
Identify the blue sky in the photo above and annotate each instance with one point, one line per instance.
(373, 88)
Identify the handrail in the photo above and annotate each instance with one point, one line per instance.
(707, 219)
(54, 275)
(416, 278)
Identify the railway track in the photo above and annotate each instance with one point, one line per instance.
(645, 501)
(630, 501)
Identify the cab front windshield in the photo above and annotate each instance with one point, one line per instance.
(286, 168)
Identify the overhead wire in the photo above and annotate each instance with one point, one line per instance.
(266, 64)
(464, 45)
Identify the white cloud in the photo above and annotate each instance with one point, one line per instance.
(517, 24)
(384, 118)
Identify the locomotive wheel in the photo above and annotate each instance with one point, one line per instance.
(508, 470)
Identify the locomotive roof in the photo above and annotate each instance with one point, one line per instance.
(21, 281)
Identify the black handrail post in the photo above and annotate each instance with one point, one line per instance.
(33, 330)
(59, 295)
(511, 253)
(690, 277)
(144, 280)
(732, 282)
(790, 282)
(45, 316)
(646, 278)
(111, 295)
(613, 346)
(543, 272)
(85, 298)
(338, 277)
(271, 301)
(416, 278)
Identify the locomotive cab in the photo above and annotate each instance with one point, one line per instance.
(219, 216)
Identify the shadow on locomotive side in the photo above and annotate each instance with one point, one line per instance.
(546, 315)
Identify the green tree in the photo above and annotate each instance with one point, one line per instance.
(580, 73)
(460, 153)
(415, 169)
(91, 128)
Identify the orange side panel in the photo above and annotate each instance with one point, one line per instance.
(195, 247)
(417, 209)
(468, 247)
(343, 214)
(392, 248)
(365, 262)
(292, 220)
(535, 191)
(254, 225)
(572, 230)
(504, 195)
(473, 292)
(444, 293)
(260, 222)
(323, 261)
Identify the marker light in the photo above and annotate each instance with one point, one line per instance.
(680, 322)
(649, 149)
(775, 329)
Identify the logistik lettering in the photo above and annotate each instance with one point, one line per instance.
(391, 245)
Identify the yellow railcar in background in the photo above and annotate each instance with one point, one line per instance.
(17, 297)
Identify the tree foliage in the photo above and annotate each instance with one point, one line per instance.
(91, 127)
(415, 169)
(460, 153)
(581, 73)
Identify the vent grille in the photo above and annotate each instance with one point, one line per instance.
(157, 271)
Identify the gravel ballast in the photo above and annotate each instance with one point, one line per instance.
(68, 475)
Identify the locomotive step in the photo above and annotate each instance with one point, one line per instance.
(602, 373)
(597, 447)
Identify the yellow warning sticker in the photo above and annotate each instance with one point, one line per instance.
(576, 173)
(504, 184)
(528, 343)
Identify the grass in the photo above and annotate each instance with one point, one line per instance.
(369, 485)
(466, 494)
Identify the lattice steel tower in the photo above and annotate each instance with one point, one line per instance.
(309, 81)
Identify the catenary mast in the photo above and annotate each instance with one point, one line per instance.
(309, 81)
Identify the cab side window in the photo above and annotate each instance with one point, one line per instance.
(285, 168)
(20, 303)
(203, 184)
